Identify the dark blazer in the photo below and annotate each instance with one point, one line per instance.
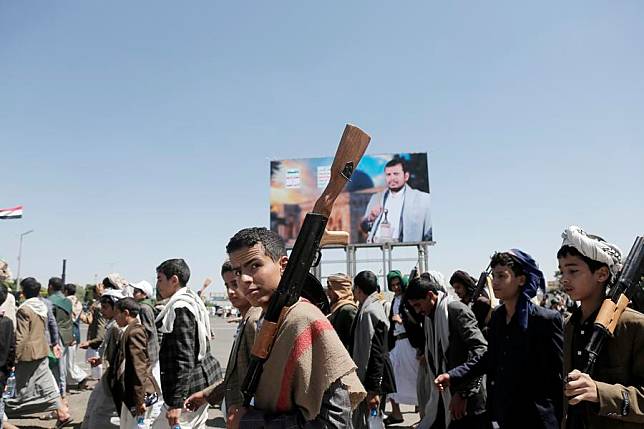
(524, 369)
(465, 342)
(342, 321)
(133, 370)
(413, 324)
(7, 349)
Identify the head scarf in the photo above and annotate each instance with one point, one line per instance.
(397, 274)
(5, 273)
(113, 294)
(593, 247)
(534, 281)
(117, 281)
(342, 285)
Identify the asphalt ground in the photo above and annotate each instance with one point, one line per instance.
(220, 346)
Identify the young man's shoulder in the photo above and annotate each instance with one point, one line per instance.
(5, 323)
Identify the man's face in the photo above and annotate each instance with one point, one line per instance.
(120, 317)
(505, 284)
(257, 274)
(138, 295)
(395, 177)
(394, 285)
(577, 279)
(424, 306)
(460, 290)
(107, 311)
(235, 295)
(330, 293)
(167, 286)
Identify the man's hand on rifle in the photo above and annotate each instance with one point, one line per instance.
(580, 387)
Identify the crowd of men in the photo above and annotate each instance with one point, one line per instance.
(478, 358)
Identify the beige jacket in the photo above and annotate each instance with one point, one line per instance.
(620, 376)
(31, 340)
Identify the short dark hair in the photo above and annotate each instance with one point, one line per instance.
(129, 304)
(463, 278)
(572, 251)
(226, 267)
(106, 299)
(70, 289)
(418, 287)
(56, 284)
(248, 237)
(175, 267)
(506, 259)
(3, 293)
(395, 161)
(366, 281)
(30, 287)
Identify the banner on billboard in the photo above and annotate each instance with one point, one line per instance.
(388, 198)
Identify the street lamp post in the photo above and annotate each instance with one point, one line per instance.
(20, 256)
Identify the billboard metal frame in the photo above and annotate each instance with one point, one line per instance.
(352, 260)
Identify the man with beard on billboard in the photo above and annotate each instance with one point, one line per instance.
(400, 213)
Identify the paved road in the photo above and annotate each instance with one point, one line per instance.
(221, 344)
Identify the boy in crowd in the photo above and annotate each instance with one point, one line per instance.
(7, 349)
(309, 379)
(369, 347)
(186, 363)
(133, 384)
(613, 395)
(100, 407)
(524, 359)
(95, 331)
(236, 368)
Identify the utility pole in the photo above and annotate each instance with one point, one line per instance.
(20, 256)
(64, 270)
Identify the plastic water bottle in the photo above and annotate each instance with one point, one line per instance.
(10, 389)
(140, 422)
(375, 419)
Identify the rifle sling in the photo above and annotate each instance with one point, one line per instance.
(266, 337)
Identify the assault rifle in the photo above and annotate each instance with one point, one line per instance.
(627, 284)
(480, 285)
(352, 146)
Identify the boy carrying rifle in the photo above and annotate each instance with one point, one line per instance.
(612, 395)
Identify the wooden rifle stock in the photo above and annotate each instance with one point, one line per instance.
(338, 238)
(352, 146)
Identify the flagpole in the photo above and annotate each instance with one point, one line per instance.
(20, 257)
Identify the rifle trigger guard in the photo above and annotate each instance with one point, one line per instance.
(318, 258)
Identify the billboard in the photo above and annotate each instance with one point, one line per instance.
(387, 199)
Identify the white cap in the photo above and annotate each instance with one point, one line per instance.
(144, 286)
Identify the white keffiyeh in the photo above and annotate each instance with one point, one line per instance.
(188, 299)
(437, 343)
(593, 247)
(37, 306)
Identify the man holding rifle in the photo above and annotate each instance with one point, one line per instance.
(613, 395)
(309, 379)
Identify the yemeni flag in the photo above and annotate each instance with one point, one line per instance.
(12, 213)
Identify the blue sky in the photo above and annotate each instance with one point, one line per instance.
(133, 132)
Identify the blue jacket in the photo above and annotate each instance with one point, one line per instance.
(524, 369)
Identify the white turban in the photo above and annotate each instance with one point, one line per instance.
(593, 247)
